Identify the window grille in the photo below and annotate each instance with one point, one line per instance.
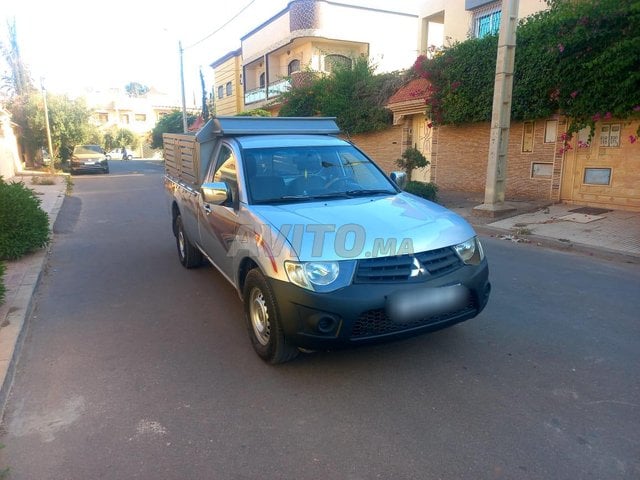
(486, 20)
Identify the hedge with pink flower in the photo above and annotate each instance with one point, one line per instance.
(579, 58)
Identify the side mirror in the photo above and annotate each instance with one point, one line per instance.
(400, 179)
(215, 193)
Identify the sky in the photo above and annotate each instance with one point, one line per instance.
(84, 44)
(75, 44)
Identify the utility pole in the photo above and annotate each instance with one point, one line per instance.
(52, 167)
(184, 104)
(501, 115)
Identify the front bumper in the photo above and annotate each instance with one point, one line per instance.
(369, 313)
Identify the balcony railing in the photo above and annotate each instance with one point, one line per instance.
(281, 86)
(274, 90)
(255, 95)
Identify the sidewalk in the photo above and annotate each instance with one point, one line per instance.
(20, 280)
(602, 232)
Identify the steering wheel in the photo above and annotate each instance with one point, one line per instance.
(347, 183)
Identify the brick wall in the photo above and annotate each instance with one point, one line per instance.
(383, 147)
(459, 160)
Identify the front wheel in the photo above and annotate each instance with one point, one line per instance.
(263, 321)
(190, 256)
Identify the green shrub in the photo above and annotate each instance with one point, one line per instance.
(2, 288)
(424, 190)
(412, 158)
(24, 226)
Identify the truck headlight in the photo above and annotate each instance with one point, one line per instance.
(320, 276)
(470, 252)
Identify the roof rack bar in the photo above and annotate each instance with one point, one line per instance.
(267, 126)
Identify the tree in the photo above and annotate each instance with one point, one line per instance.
(68, 119)
(17, 81)
(351, 93)
(411, 158)
(135, 89)
(116, 137)
(205, 97)
(258, 112)
(170, 123)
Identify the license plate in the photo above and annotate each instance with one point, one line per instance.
(89, 163)
(417, 304)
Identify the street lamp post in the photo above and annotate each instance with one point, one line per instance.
(46, 121)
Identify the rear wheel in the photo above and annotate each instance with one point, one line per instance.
(190, 256)
(263, 321)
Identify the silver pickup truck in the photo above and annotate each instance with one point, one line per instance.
(324, 249)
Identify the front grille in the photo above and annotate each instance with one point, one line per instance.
(400, 268)
(373, 323)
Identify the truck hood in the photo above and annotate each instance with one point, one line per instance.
(365, 227)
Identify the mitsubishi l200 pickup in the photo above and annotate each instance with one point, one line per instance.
(324, 249)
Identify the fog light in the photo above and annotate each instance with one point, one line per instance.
(326, 324)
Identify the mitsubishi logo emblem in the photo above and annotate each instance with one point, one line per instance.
(417, 269)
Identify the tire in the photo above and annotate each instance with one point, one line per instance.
(190, 256)
(263, 321)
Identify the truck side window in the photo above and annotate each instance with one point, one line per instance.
(226, 170)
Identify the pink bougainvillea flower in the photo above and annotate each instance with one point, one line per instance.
(633, 139)
(574, 94)
(596, 117)
(607, 116)
(636, 108)
(561, 47)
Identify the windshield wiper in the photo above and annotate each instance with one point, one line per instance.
(364, 192)
(303, 198)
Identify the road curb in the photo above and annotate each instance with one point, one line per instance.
(16, 325)
(556, 244)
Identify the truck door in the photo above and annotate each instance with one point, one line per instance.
(219, 223)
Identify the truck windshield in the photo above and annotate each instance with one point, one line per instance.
(298, 174)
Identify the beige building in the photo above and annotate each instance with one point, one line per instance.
(443, 22)
(310, 36)
(228, 70)
(10, 163)
(113, 107)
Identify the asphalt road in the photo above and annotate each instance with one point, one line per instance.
(134, 367)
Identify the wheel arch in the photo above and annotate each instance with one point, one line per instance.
(175, 211)
(246, 265)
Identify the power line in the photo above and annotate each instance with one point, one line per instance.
(221, 27)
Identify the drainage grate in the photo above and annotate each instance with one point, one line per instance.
(590, 210)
